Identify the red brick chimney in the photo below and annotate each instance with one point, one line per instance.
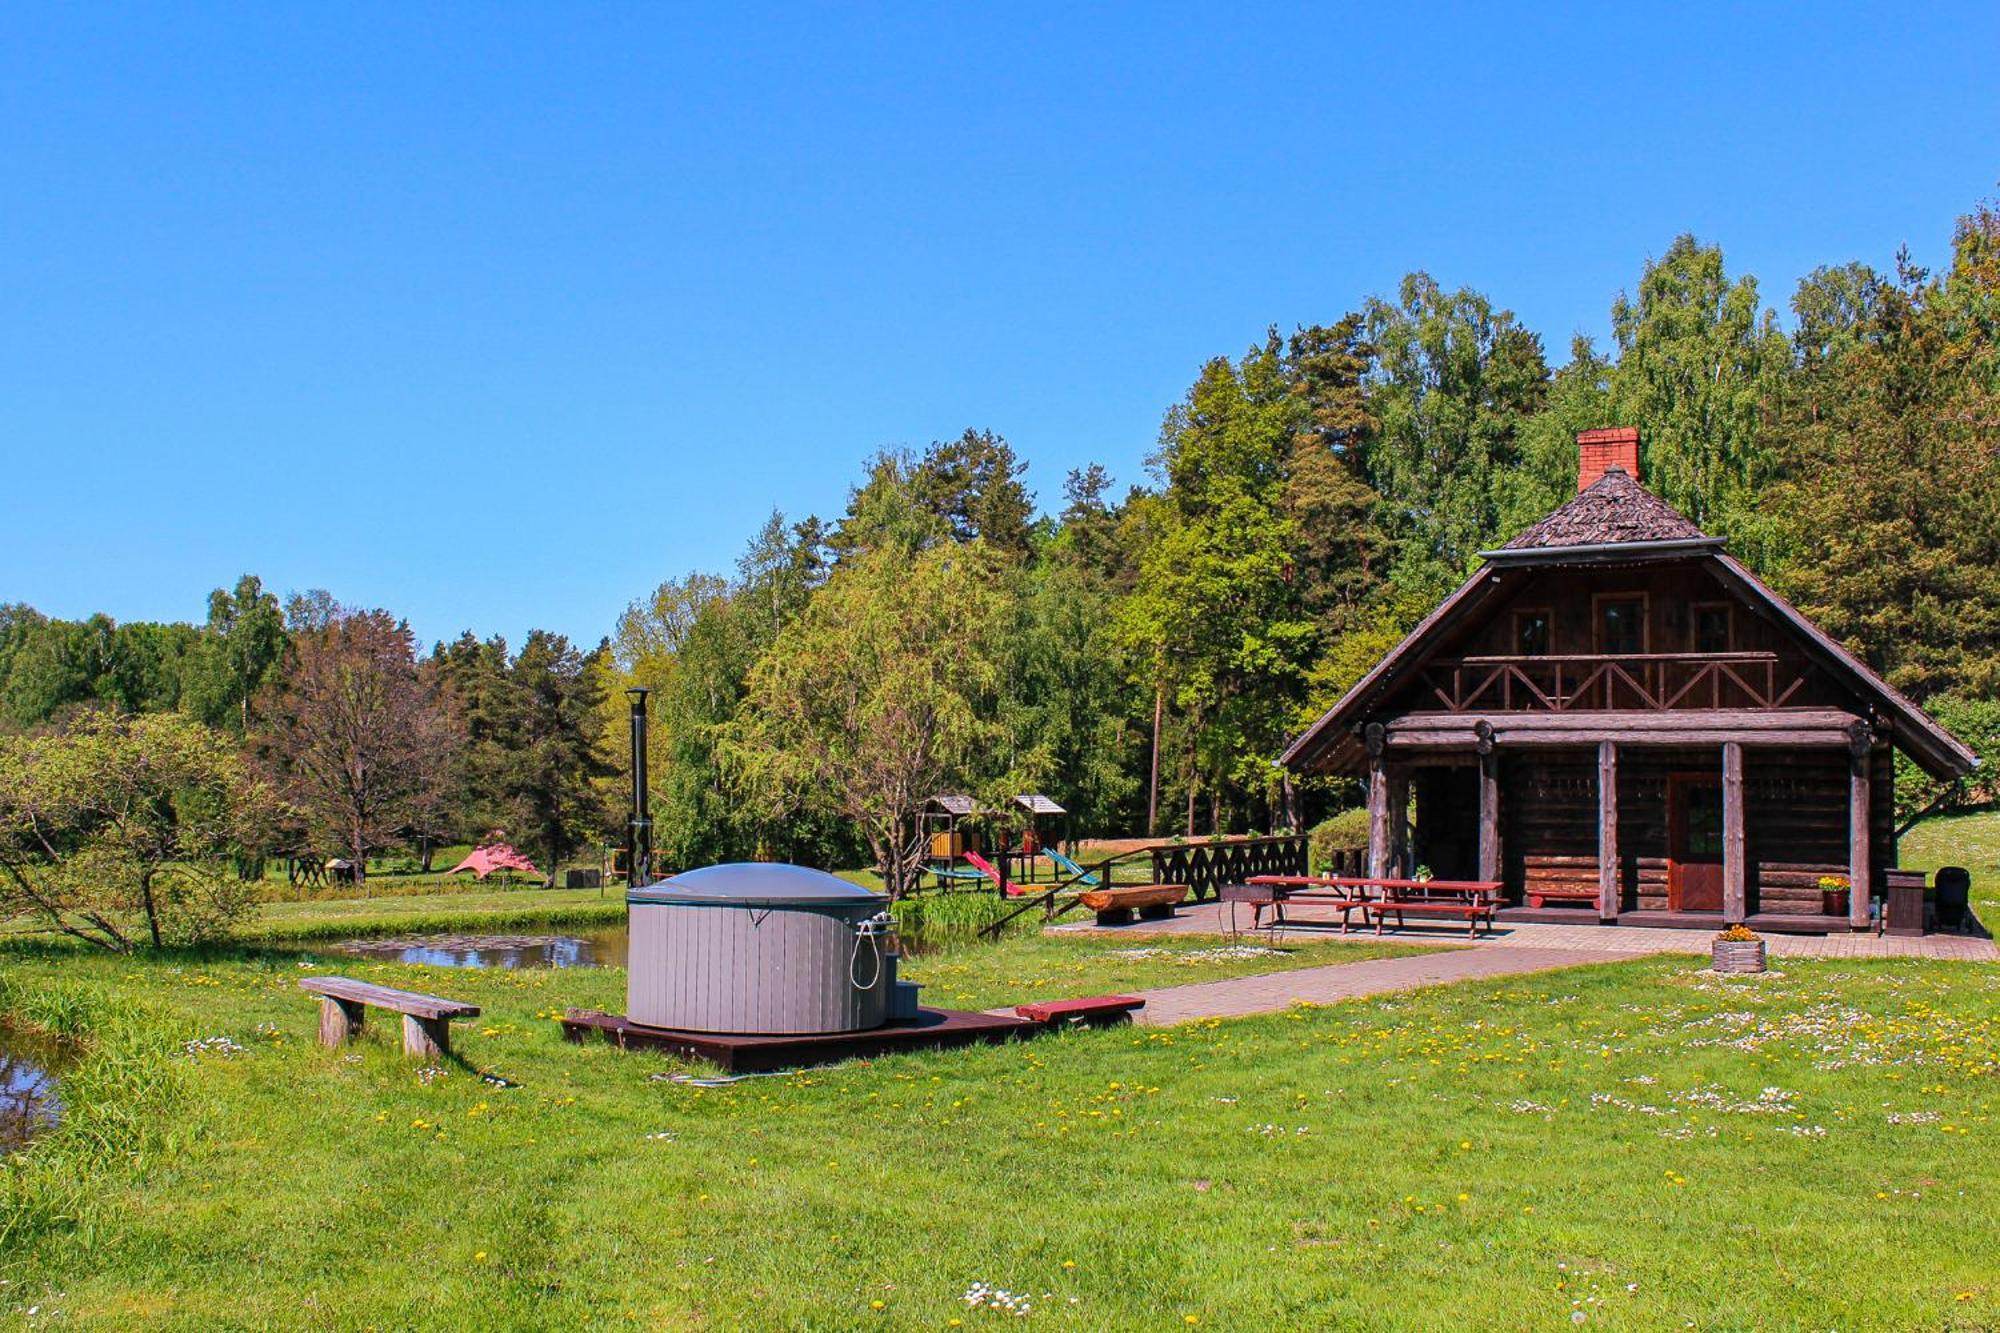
(1597, 451)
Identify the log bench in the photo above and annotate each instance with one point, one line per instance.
(1153, 902)
(344, 1001)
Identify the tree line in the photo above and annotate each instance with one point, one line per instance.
(1143, 655)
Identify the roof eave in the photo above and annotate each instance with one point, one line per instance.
(1602, 553)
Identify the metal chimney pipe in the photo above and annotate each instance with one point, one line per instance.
(642, 814)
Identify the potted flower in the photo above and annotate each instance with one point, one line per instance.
(1739, 949)
(1833, 895)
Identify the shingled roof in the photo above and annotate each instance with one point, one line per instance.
(1613, 509)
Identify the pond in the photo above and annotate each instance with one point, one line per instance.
(28, 1102)
(592, 948)
(596, 948)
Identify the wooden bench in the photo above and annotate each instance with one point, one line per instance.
(1153, 902)
(1274, 891)
(1474, 914)
(1470, 901)
(1095, 1011)
(426, 1018)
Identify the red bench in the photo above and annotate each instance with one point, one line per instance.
(1094, 1011)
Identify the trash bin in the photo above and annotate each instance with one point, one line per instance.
(1954, 889)
(1906, 902)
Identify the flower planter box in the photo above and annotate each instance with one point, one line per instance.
(1739, 955)
(1833, 902)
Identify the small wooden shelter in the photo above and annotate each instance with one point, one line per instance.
(941, 815)
(1618, 721)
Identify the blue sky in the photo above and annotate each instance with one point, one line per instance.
(437, 307)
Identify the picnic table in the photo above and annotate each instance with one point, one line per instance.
(1472, 901)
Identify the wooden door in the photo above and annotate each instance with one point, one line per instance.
(1694, 842)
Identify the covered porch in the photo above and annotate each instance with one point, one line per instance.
(1690, 818)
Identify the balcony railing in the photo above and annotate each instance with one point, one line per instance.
(1656, 681)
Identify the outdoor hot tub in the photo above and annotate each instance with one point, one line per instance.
(752, 947)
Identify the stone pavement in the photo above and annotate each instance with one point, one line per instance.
(1273, 991)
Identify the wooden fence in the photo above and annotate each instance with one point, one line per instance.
(1206, 866)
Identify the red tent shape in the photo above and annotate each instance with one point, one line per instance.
(495, 856)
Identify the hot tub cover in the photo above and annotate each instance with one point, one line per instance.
(755, 884)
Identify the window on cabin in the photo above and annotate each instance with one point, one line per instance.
(1531, 633)
(1621, 626)
(1711, 629)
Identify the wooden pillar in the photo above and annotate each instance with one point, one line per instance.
(1378, 805)
(1860, 839)
(339, 1020)
(1401, 863)
(1735, 898)
(1607, 831)
(1489, 815)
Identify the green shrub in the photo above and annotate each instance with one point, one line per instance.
(1345, 831)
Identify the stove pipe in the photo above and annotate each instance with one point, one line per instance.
(642, 815)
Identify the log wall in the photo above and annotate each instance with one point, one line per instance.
(1795, 823)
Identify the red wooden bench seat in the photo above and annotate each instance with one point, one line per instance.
(1088, 1012)
(1473, 914)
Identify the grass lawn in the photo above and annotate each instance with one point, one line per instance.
(1643, 1143)
(1969, 840)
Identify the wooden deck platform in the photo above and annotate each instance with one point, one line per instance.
(931, 1029)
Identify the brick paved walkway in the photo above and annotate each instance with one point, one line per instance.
(1275, 991)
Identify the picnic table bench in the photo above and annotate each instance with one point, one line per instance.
(1114, 906)
(1274, 891)
(1471, 901)
(426, 1018)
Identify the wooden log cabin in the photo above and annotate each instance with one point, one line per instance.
(1620, 723)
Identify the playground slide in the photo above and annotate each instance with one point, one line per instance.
(985, 867)
(1069, 867)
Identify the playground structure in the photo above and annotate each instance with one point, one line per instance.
(954, 824)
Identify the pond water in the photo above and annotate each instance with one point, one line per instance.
(594, 948)
(28, 1102)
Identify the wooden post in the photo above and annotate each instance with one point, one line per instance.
(1735, 898)
(427, 1037)
(1860, 840)
(1401, 864)
(1489, 815)
(1607, 831)
(1378, 806)
(339, 1020)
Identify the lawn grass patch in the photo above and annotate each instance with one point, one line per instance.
(1643, 1142)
